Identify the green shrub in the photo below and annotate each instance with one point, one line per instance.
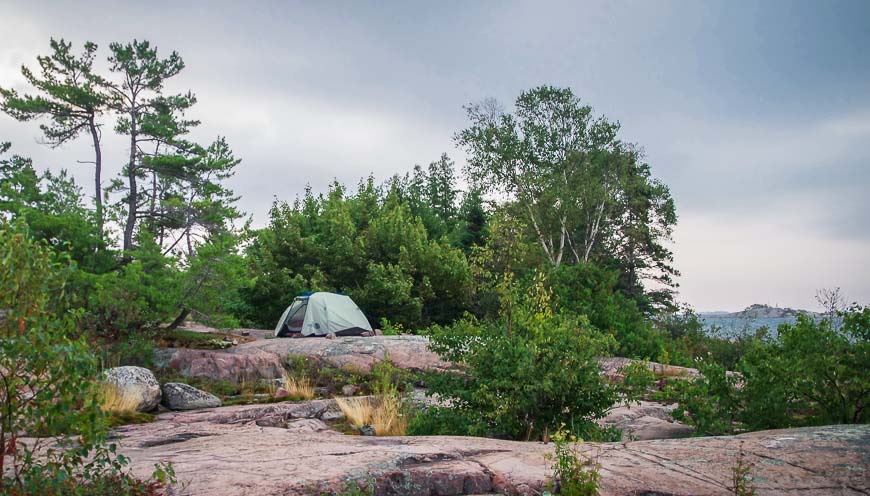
(141, 295)
(592, 290)
(525, 374)
(811, 374)
(637, 380)
(710, 403)
(47, 386)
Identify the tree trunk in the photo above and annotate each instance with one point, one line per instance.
(132, 198)
(180, 319)
(98, 171)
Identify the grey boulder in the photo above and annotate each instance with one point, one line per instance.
(177, 396)
(135, 382)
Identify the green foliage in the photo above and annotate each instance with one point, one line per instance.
(52, 207)
(368, 245)
(526, 373)
(140, 295)
(592, 290)
(133, 349)
(584, 194)
(709, 403)
(813, 374)
(741, 477)
(574, 474)
(70, 95)
(637, 380)
(390, 329)
(212, 285)
(47, 385)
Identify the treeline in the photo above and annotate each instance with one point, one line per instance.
(552, 190)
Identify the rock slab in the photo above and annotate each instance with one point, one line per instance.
(267, 450)
(177, 396)
(136, 382)
(265, 358)
(645, 421)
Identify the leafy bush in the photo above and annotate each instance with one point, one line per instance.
(710, 403)
(812, 374)
(637, 380)
(525, 374)
(591, 290)
(138, 296)
(48, 384)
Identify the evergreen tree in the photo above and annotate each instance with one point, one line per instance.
(71, 96)
(146, 116)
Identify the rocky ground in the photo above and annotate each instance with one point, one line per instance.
(287, 448)
(291, 448)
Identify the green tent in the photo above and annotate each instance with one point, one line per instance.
(319, 314)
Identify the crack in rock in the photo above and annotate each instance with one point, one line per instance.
(177, 438)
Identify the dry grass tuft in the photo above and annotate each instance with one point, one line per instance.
(298, 388)
(388, 418)
(357, 410)
(384, 414)
(115, 400)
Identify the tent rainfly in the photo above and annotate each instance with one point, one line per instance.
(319, 314)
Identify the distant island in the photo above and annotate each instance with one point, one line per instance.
(761, 311)
(750, 319)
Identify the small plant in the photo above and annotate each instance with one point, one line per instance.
(390, 329)
(574, 474)
(389, 417)
(741, 477)
(298, 388)
(710, 403)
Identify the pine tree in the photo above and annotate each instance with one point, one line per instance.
(71, 96)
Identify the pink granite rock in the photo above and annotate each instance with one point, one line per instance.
(264, 359)
(216, 457)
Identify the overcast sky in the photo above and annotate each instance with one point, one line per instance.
(756, 114)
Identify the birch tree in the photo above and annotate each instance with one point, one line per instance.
(586, 195)
(539, 157)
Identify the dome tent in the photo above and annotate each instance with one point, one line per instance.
(319, 314)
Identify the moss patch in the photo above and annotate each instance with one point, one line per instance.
(116, 419)
(179, 338)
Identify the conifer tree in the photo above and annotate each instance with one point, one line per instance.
(71, 96)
